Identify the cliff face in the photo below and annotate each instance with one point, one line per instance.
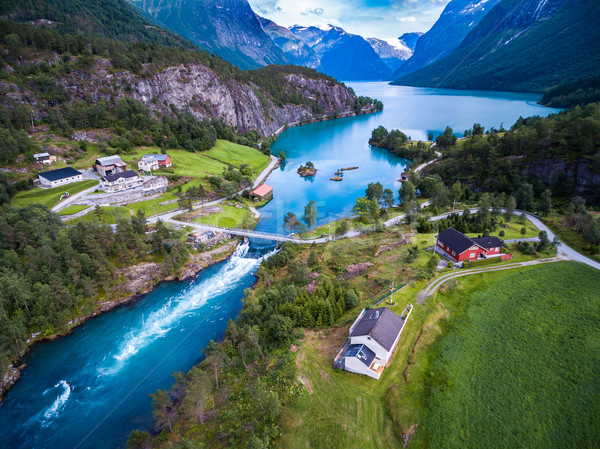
(200, 90)
(581, 172)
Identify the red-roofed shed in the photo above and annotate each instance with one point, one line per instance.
(261, 193)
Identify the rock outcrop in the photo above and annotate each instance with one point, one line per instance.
(200, 90)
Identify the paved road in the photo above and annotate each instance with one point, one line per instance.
(69, 201)
(437, 283)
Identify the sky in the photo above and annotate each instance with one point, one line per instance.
(385, 19)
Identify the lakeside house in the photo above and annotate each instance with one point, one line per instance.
(44, 158)
(109, 165)
(455, 245)
(371, 342)
(261, 193)
(115, 182)
(59, 177)
(154, 161)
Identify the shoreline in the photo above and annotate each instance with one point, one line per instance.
(194, 266)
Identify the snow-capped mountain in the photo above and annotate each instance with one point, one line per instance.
(410, 39)
(457, 20)
(341, 54)
(392, 52)
(295, 49)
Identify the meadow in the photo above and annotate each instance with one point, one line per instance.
(49, 197)
(495, 360)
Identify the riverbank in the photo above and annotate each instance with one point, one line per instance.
(139, 279)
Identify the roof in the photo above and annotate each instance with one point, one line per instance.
(488, 242)
(262, 190)
(158, 157)
(381, 324)
(456, 240)
(61, 173)
(114, 176)
(108, 160)
(361, 352)
(41, 155)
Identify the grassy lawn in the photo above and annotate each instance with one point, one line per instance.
(73, 209)
(109, 215)
(49, 197)
(230, 217)
(502, 356)
(569, 235)
(211, 162)
(519, 364)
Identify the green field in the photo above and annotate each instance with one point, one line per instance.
(73, 209)
(109, 215)
(517, 365)
(49, 197)
(211, 162)
(230, 217)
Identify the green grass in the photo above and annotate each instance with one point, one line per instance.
(49, 197)
(570, 235)
(518, 365)
(513, 230)
(231, 217)
(109, 215)
(211, 162)
(73, 209)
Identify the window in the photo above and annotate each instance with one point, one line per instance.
(472, 256)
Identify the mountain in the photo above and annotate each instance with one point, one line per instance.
(522, 45)
(294, 48)
(392, 52)
(458, 18)
(343, 55)
(228, 28)
(410, 39)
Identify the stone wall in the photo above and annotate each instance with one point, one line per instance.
(153, 187)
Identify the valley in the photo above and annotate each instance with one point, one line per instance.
(269, 224)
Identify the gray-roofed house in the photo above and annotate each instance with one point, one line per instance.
(109, 165)
(120, 181)
(44, 158)
(371, 342)
(59, 177)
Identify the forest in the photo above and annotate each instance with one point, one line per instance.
(396, 142)
(513, 161)
(50, 274)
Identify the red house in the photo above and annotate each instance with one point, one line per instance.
(459, 247)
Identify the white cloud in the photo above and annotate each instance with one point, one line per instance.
(385, 19)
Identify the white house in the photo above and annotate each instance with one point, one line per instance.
(148, 163)
(44, 158)
(62, 176)
(371, 342)
(120, 181)
(109, 165)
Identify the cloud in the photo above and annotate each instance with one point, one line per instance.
(313, 11)
(406, 19)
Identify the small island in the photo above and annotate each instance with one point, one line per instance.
(307, 170)
(336, 178)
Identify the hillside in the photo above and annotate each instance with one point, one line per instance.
(458, 18)
(516, 47)
(228, 28)
(560, 152)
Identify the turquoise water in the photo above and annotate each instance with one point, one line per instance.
(344, 143)
(90, 389)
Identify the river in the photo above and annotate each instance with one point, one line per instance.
(90, 389)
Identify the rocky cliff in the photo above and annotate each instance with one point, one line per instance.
(203, 92)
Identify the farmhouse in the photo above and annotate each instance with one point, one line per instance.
(261, 193)
(154, 161)
(44, 158)
(371, 342)
(120, 181)
(109, 165)
(459, 247)
(62, 176)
